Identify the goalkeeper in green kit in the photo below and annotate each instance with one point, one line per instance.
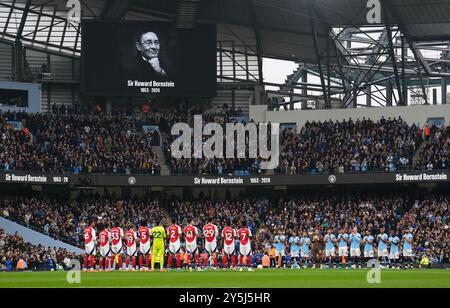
(159, 235)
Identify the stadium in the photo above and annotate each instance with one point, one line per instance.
(225, 143)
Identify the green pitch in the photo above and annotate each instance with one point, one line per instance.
(258, 279)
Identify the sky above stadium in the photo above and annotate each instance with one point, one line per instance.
(277, 70)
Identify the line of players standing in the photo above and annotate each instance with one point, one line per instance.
(111, 248)
(322, 249)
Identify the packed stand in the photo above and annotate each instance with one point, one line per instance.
(76, 144)
(71, 140)
(251, 210)
(189, 166)
(350, 146)
(428, 217)
(435, 154)
(66, 221)
(18, 255)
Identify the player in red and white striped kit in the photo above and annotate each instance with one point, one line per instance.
(144, 245)
(117, 236)
(131, 238)
(190, 233)
(229, 234)
(245, 249)
(90, 249)
(105, 248)
(210, 232)
(174, 233)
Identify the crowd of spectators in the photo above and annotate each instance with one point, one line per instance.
(326, 147)
(435, 154)
(76, 144)
(18, 255)
(234, 210)
(350, 146)
(69, 141)
(204, 166)
(428, 217)
(65, 220)
(216, 166)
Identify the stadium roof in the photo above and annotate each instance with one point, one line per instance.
(279, 28)
(284, 28)
(320, 35)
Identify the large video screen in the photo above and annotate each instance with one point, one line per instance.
(13, 98)
(148, 58)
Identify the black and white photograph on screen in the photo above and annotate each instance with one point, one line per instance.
(148, 58)
(151, 60)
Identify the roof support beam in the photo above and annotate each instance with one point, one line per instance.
(416, 52)
(22, 22)
(259, 47)
(392, 51)
(37, 23)
(404, 85)
(444, 91)
(318, 56)
(12, 7)
(52, 23)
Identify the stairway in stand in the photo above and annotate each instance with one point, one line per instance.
(416, 158)
(165, 170)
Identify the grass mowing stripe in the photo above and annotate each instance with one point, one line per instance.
(257, 279)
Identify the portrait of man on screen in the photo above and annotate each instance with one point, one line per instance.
(150, 63)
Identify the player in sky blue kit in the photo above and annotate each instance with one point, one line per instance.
(342, 245)
(330, 248)
(280, 252)
(368, 246)
(305, 243)
(394, 255)
(408, 249)
(294, 242)
(355, 247)
(383, 240)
